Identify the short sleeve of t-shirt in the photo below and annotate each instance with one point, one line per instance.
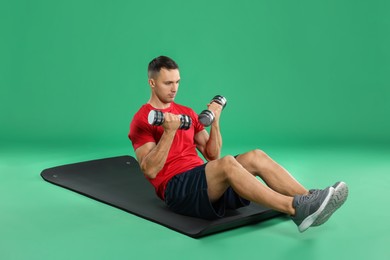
(141, 132)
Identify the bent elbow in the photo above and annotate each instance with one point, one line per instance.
(150, 176)
(149, 173)
(212, 156)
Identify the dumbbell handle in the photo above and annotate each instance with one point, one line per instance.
(206, 117)
(156, 117)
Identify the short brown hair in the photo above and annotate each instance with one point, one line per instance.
(161, 62)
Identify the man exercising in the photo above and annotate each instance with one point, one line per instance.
(168, 158)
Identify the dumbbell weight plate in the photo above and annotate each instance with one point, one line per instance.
(220, 100)
(206, 117)
(185, 122)
(156, 117)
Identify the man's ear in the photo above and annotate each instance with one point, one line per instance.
(152, 83)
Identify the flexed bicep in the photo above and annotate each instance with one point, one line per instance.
(201, 139)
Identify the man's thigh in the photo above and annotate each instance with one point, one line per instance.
(216, 176)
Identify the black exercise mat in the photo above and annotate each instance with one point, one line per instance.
(119, 182)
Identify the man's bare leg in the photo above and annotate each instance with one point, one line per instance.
(227, 171)
(275, 176)
(306, 209)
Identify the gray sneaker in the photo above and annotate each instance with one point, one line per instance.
(338, 198)
(310, 207)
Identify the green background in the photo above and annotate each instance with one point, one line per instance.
(307, 81)
(293, 71)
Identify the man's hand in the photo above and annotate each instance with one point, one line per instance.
(171, 122)
(216, 109)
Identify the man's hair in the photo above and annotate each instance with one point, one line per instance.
(160, 62)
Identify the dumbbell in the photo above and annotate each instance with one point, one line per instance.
(206, 117)
(156, 117)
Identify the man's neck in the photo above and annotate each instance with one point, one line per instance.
(158, 104)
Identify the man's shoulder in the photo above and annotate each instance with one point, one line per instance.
(141, 115)
(145, 108)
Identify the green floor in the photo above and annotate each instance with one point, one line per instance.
(42, 221)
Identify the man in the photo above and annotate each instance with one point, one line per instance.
(167, 156)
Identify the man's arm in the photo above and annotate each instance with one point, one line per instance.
(210, 145)
(152, 157)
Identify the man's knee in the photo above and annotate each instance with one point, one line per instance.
(227, 161)
(256, 155)
(221, 169)
(259, 154)
(229, 164)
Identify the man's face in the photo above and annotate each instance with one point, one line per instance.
(165, 84)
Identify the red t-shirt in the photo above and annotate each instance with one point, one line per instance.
(182, 155)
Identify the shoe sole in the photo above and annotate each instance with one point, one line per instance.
(338, 198)
(309, 220)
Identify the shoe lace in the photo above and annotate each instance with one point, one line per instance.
(304, 198)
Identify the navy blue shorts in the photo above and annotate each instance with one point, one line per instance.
(186, 194)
